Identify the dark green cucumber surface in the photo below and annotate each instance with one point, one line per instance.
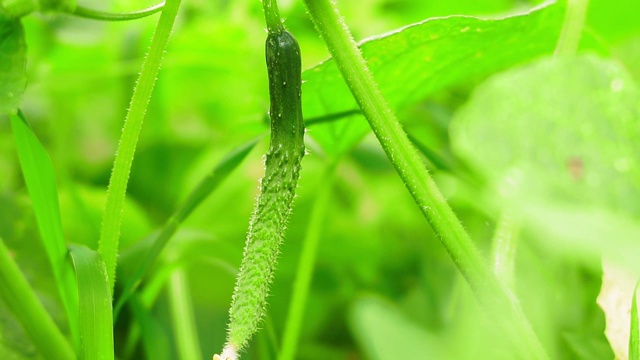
(277, 189)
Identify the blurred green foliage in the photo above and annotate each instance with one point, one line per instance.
(382, 280)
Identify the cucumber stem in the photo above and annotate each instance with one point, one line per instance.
(272, 16)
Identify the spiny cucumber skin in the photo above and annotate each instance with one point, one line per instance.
(274, 204)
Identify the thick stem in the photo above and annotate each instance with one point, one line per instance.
(112, 215)
(497, 299)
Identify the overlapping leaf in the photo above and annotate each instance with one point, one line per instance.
(423, 58)
(40, 179)
(95, 320)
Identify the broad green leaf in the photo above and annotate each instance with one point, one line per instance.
(557, 141)
(416, 61)
(39, 177)
(383, 332)
(13, 64)
(96, 321)
(199, 194)
(634, 339)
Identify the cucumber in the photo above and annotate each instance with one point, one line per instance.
(277, 191)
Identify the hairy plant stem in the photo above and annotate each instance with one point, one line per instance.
(112, 215)
(497, 299)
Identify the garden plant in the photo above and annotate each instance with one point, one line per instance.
(319, 179)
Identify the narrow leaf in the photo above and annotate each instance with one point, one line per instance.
(39, 177)
(182, 316)
(96, 322)
(195, 198)
(23, 303)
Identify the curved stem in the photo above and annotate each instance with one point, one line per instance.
(84, 12)
(497, 299)
(112, 215)
(574, 20)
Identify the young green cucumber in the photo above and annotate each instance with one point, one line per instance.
(273, 207)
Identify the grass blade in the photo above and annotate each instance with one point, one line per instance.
(199, 194)
(634, 339)
(23, 303)
(96, 323)
(306, 265)
(39, 177)
(182, 317)
(155, 339)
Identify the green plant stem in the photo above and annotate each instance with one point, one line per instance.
(503, 247)
(498, 301)
(184, 325)
(574, 20)
(306, 265)
(272, 16)
(84, 12)
(112, 215)
(25, 306)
